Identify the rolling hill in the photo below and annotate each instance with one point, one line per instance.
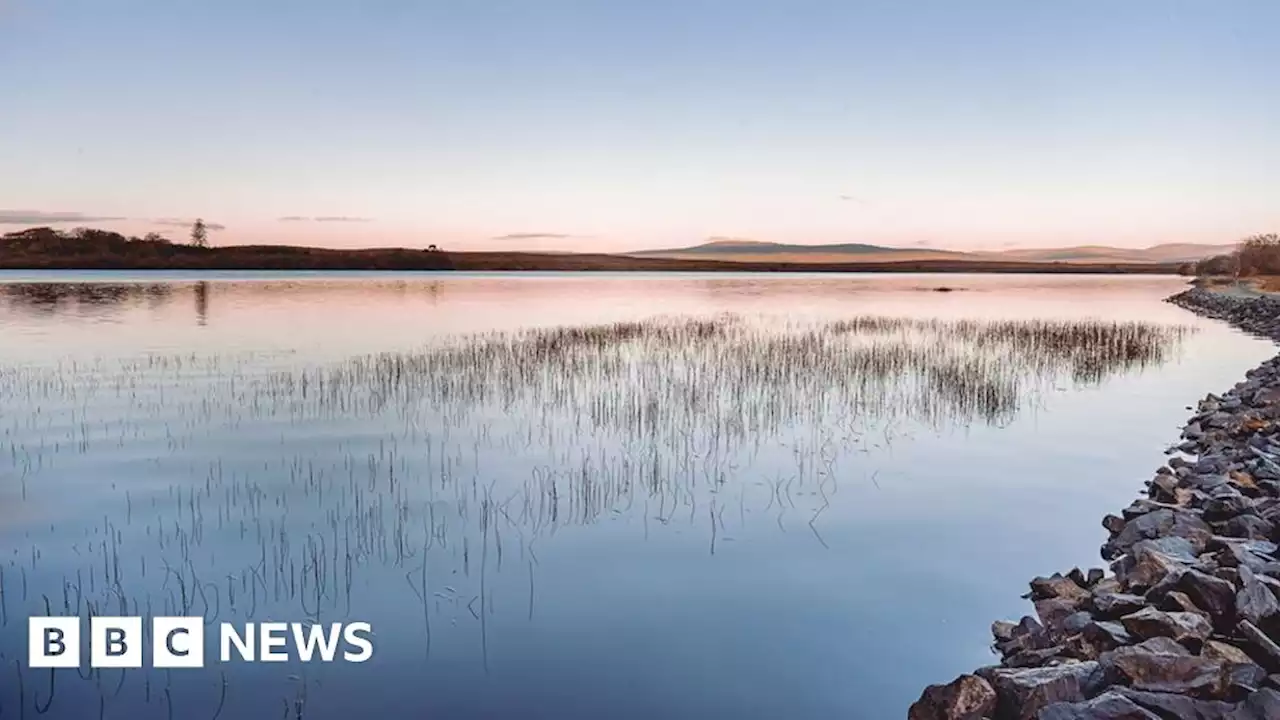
(742, 250)
(1170, 252)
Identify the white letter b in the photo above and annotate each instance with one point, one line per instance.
(53, 642)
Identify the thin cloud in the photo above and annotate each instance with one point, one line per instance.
(533, 236)
(324, 219)
(179, 222)
(40, 217)
(855, 199)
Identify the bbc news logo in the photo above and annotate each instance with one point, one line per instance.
(179, 642)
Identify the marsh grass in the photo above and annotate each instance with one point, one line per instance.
(736, 378)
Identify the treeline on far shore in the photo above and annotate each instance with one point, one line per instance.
(1258, 255)
(45, 248)
(91, 249)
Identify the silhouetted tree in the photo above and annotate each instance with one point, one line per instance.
(155, 237)
(1259, 255)
(199, 234)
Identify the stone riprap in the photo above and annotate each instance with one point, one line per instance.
(1187, 622)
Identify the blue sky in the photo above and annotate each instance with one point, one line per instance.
(594, 124)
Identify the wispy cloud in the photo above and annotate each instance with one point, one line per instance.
(40, 217)
(324, 219)
(179, 222)
(533, 236)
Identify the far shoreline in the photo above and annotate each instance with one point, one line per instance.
(88, 249)
(305, 259)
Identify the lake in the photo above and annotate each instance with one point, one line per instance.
(571, 496)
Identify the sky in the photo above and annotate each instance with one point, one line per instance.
(602, 125)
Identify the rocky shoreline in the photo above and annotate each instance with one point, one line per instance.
(1186, 624)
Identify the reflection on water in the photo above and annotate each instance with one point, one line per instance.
(202, 302)
(46, 298)
(679, 513)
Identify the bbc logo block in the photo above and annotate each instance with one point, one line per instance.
(115, 642)
(179, 642)
(53, 642)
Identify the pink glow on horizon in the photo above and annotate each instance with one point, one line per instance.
(372, 233)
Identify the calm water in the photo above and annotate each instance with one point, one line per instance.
(559, 496)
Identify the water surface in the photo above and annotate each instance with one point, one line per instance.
(750, 496)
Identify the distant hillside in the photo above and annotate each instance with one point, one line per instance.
(48, 249)
(1167, 253)
(741, 250)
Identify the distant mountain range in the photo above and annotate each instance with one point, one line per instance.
(742, 250)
